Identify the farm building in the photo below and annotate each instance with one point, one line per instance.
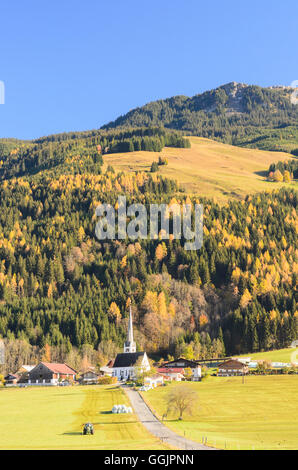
(25, 368)
(182, 363)
(46, 373)
(232, 367)
(173, 373)
(11, 379)
(89, 377)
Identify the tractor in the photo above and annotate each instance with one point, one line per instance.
(88, 429)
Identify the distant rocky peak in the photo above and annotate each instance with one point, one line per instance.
(233, 88)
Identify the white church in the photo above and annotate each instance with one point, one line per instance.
(124, 365)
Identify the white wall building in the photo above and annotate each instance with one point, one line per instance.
(125, 363)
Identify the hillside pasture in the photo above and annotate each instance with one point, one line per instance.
(208, 168)
(277, 355)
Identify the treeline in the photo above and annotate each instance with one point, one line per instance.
(106, 136)
(80, 152)
(19, 352)
(285, 170)
(147, 143)
(283, 138)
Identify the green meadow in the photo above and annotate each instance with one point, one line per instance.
(260, 413)
(208, 168)
(52, 418)
(278, 355)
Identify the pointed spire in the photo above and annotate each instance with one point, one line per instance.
(130, 345)
(130, 328)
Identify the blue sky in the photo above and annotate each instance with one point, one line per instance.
(75, 65)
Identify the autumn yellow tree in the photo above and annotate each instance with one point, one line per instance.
(245, 299)
(114, 312)
(47, 353)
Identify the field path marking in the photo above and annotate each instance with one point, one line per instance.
(153, 425)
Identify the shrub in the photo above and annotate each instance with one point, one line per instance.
(107, 380)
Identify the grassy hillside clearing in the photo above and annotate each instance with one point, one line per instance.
(208, 168)
(278, 355)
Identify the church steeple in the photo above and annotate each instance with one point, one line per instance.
(130, 345)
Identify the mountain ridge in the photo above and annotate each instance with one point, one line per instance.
(231, 113)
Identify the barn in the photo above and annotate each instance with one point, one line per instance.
(89, 377)
(47, 373)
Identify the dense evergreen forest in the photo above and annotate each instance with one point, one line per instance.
(235, 113)
(81, 151)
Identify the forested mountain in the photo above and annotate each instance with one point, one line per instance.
(60, 286)
(235, 113)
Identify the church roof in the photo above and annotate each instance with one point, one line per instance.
(127, 359)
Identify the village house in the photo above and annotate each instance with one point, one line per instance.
(154, 381)
(46, 373)
(108, 369)
(11, 379)
(89, 377)
(173, 373)
(182, 363)
(232, 367)
(244, 360)
(24, 369)
(125, 363)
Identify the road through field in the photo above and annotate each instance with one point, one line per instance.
(153, 425)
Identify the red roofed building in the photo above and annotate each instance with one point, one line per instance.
(173, 373)
(48, 373)
(182, 363)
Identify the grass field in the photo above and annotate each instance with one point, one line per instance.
(278, 355)
(208, 168)
(52, 418)
(259, 414)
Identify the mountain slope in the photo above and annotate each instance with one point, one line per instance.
(62, 286)
(232, 113)
(208, 168)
